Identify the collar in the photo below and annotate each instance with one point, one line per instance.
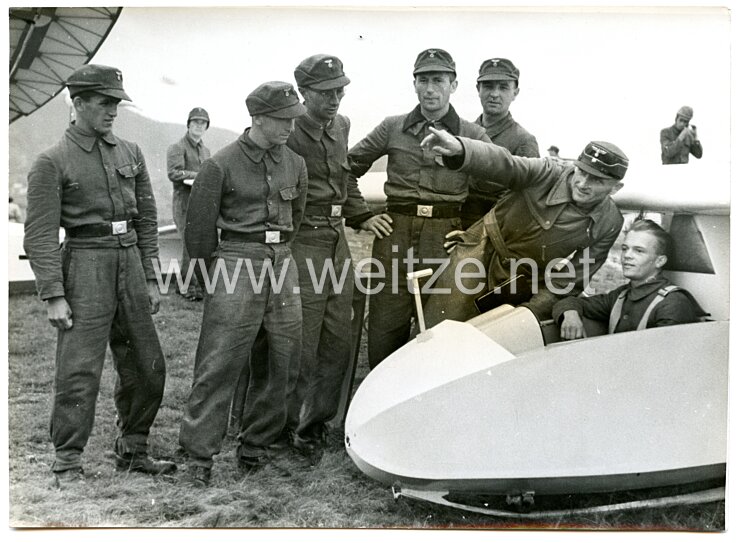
(561, 194)
(314, 129)
(646, 289)
(87, 140)
(255, 153)
(450, 120)
(498, 127)
(190, 142)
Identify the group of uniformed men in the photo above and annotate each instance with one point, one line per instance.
(276, 200)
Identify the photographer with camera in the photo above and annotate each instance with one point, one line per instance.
(680, 140)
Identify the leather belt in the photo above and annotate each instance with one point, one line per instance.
(115, 228)
(433, 211)
(269, 236)
(332, 210)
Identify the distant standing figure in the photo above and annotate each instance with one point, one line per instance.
(647, 301)
(680, 140)
(14, 211)
(184, 158)
(498, 87)
(554, 151)
(101, 286)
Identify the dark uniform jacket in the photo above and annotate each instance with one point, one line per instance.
(87, 179)
(676, 308)
(184, 159)
(247, 190)
(329, 182)
(677, 152)
(538, 218)
(414, 174)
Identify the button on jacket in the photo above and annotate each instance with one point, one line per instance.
(324, 148)
(87, 179)
(245, 189)
(184, 159)
(676, 308)
(677, 152)
(414, 174)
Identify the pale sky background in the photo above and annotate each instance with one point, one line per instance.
(616, 75)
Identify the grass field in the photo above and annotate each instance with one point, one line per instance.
(331, 494)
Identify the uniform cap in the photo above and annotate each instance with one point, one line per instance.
(604, 160)
(99, 79)
(275, 99)
(434, 60)
(321, 72)
(685, 111)
(200, 114)
(554, 148)
(498, 69)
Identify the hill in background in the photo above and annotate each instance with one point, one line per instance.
(29, 136)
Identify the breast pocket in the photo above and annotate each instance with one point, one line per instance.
(126, 175)
(287, 196)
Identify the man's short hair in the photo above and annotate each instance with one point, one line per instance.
(86, 95)
(664, 242)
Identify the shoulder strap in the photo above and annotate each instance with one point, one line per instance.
(660, 295)
(614, 315)
(496, 237)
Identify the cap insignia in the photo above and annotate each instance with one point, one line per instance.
(329, 61)
(432, 53)
(286, 92)
(118, 75)
(494, 62)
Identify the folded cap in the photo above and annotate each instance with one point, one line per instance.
(275, 99)
(434, 60)
(604, 160)
(685, 111)
(99, 79)
(498, 69)
(200, 114)
(321, 72)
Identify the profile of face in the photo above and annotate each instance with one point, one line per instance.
(96, 114)
(275, 131)
(587, 190)
(196, 128)
(497, 96)
(434, 90)
(640, 256)
(323, 105)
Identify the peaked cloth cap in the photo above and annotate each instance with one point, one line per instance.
(275, 99)
(97, 78)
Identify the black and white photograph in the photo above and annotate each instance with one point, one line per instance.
(430, 269)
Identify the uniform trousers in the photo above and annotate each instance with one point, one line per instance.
(232, 317)
(391, 312)
(180, 198)
(107, 294)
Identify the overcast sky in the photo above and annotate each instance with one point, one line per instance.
(617, 76)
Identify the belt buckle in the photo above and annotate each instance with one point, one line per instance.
(119, 228)
(273, 236)
(336, 210)
(424, 211)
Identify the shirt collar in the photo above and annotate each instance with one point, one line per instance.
(497, 127)
(313, 128)
(87, 140)
(561, 194)
(255, 153)
(191, 143)
(648, 288)
(450, 120)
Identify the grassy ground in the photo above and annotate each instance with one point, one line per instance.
(332, 494)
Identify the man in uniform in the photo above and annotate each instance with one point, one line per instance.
(647, 301)
(555, 217)
(497, 85)
(423, 197)
(680, 140)
(184, 158)
(321, 137)
(254, 191)
(102, 285)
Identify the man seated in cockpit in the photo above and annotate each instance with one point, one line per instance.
(647, 301)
